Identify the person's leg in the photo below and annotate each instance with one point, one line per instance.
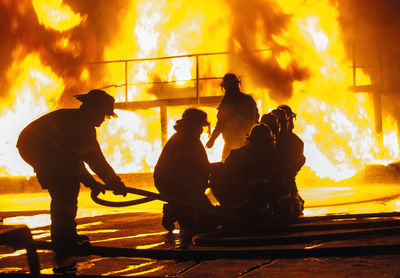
(169, 218)
(64, 190)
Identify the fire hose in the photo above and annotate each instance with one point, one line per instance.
(151, 196)
(276, 231)
(389, 224)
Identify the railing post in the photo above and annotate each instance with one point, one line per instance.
(197, 80)
(377, 98)
(354, 64)
(126, 81)
(164, 123)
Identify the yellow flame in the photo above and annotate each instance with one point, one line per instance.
(337, 125)
(30, 79)
(54, 14)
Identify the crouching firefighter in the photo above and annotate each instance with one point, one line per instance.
(182, 172)
(244, 177)
(56, 145)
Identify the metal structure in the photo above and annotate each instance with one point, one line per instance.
(212, 101)
(164, 103)
(374, 89)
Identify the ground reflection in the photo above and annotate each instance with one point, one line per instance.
(30, 209)
(319, 201)
(135, 267)
(34, 221)
(129, 237)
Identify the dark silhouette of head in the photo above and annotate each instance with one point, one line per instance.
(98, 105)
(230, 82)
(272, 121)
(193, 120)
(290, 114)
(197, 116)
(282, 119)
(261, 135)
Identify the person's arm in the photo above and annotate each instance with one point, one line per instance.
(94, 157)
(216, 132)
(88, 180)
(218, 128)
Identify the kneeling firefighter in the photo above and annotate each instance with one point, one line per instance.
(182, 172)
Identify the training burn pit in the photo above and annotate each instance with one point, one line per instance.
(334, 62)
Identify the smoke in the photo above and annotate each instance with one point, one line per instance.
(259, 18)
(372, 28)
(20, 29)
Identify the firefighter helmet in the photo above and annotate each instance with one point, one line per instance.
(98, 99)
(261, 133)
(290, 114)
(196, 115)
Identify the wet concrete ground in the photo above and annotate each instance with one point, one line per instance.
(140, 227)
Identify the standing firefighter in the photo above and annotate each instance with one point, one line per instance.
(56, 145)
(182, 172)
(237, 114)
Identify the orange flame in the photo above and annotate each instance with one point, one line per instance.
(336, 124)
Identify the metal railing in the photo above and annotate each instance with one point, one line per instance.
(162, 104)
(197, 78)
(375, 89)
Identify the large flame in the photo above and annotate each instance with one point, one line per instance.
(306, 67)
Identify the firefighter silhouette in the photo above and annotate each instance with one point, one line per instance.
(286, 201)
(56, 145)
(244, 181)
(182, 171)
(237, 114)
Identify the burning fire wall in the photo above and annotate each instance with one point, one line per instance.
(336, 63)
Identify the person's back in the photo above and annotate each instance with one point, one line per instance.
(183, 161)
(244, 184)
(237, 114)
(62, 139)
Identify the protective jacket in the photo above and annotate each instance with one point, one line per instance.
(244, 182)
(182, 172)
(237, 114)
(56, 145)
(183, 166)
(62, 139)
(285, 198)
(290, 149)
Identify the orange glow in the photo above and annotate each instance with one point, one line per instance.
(337, 125)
